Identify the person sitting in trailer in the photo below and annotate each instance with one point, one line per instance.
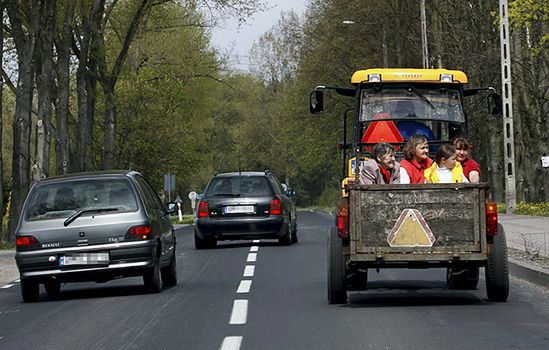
(416, 160)
(471, 169)
(445, 169)
(382, 168)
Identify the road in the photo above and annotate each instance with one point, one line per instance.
(282, 307)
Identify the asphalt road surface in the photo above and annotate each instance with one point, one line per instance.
(258, 295)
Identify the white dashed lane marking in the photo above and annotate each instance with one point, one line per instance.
(249, 271)
(254, 248)
(252, 257)
(7, 286)
(231, 343)
(240, 312)
(244, 286)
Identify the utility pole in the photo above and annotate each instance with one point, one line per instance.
(507, 99)
(424, 47)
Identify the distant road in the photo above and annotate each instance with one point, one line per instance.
(264, 296)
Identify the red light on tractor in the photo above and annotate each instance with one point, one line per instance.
(141, 232)
(276, 207)
(342, 219)
(26, 241)
(491, 219)
(203, 210)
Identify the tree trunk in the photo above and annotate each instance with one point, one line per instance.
(110, 122)
(1, 127)
(63, 141)
(45, 90)
(25, 42)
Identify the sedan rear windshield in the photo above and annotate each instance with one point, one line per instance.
(239, 186)
(61, 199)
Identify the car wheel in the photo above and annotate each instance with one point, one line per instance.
(30, 290)
(287, 238)
(294, 234)
(152, 278)
(204, 243)
(53, 288)
(337, 292)
(169, 273)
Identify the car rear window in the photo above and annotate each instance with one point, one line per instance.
(243, 186)
(61, 199)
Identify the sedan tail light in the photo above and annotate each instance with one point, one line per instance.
(26, 242)
(141, 232)
(276, 207)
(203, 210)
(491, 219)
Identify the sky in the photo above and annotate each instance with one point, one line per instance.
(238, 41)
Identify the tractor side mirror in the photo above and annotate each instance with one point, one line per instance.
(316, 104)
(495, 105)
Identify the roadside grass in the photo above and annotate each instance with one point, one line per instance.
(524, 208)
(187, 219)
(5, 245)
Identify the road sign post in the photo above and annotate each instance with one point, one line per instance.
(169, 184)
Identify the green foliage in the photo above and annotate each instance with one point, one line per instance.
(537, 209)
(187, 219)
(531, 15)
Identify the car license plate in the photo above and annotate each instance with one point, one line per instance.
(238, 209)
(101, 258)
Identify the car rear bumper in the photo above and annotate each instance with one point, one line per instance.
(247, 228)
(125, 259)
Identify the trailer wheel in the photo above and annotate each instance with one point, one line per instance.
(337, 293)
(462, 278)
(497, 270)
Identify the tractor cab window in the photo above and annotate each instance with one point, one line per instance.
(411, 102)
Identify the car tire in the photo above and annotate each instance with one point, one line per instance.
(30, 290)
(53, 288)
(462, 278)
(204, 243)
(294, 234)
(152, 278)
(337, 292)
(287, 238)
(169, 273)
(497, 269)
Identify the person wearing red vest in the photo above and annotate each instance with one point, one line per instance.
(416, 160)
(471, 169)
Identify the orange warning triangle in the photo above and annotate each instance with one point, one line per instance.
(382, 131)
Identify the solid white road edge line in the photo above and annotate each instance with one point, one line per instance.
(256, 241)
(231, 343)
(240, 312)
(252, 257)
(244, 286)
(254, 248)
(249, 271)
(7, 286)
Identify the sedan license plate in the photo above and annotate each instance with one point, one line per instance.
(101, 258)
(238, 209)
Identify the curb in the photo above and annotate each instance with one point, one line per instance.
(529, 273)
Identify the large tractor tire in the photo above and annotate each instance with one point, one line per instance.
(497, 270)
(337, 293)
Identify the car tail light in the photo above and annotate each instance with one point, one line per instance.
(26, 242)
(342, 219)
(276, 207)
(491, 219)
(203, 210)
(141, 232)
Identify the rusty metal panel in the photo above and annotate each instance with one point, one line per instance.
(453, 213)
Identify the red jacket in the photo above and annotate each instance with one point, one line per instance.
(415, 170)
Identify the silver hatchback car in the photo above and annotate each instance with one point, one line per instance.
(94, 227)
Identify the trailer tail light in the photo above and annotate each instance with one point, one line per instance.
(139, 233)
(342, 219)
(276, 207)
(26, 242)
(491, 219)
(203, 210)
